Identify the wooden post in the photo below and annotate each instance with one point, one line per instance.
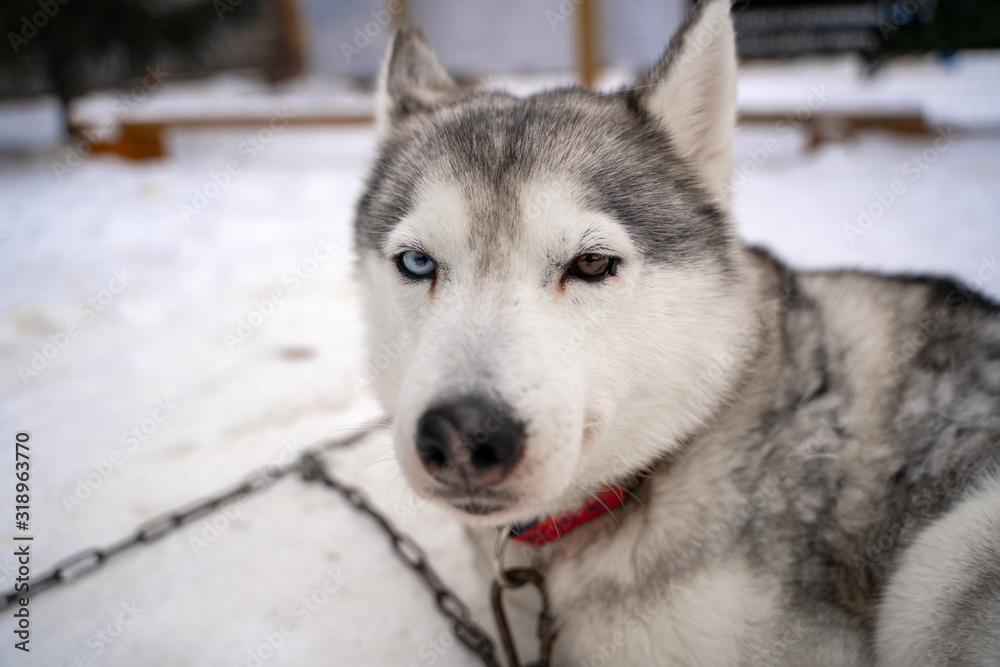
(401, 17)
(586, 41)
(291, 47)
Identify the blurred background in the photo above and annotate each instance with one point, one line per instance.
(177, 180)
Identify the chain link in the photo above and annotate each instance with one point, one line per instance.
(86, 561)
(312, 469)
(467, 630)
(546, 629)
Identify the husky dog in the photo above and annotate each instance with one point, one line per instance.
(810, 459)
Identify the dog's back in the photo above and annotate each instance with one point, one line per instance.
(877, 464)
(921, 379)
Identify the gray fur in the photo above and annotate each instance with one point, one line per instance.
(491, 141)
(861, 420)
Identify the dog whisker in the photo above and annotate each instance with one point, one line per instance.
(555, 525)
(371, 463)
(606, 508)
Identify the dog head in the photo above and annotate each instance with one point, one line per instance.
(551, 283)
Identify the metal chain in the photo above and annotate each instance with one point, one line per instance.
(86, 561)
(546, 629)
(466, 629)
(309, 465)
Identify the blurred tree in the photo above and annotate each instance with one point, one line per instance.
(942, 25)
(62, 41)
(875, 28)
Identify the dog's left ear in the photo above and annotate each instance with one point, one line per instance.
(412, 80)
(692, 92)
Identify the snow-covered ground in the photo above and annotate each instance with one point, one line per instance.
(190, 321)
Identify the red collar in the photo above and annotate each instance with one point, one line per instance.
(604, 501)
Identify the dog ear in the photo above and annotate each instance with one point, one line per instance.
(692, 92)
(412, 79)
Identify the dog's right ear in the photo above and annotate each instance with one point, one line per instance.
(412, 80)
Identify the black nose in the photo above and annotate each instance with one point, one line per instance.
(471, 442)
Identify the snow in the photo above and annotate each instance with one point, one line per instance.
(963, 90)
(28, 124)
(160, 340)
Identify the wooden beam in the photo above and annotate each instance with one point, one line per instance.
(833, 127)
(139, 141)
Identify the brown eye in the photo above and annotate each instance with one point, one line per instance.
(592, 266)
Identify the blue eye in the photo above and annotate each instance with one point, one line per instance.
(416, 264)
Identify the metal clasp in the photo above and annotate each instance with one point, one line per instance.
(515, 578)
(499, 571)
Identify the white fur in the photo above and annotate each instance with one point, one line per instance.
(934, 573)
(383, 101)
(586, 368)
(705, 620)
